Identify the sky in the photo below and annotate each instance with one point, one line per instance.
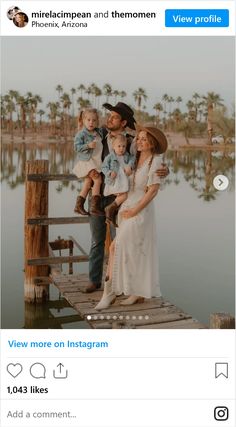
(178, 66)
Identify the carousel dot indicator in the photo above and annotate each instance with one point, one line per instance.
(146, 317)
(89, 317)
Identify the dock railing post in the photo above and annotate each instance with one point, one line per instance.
(35, 236)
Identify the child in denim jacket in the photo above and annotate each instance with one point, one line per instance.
(89, 148)
(117, 167)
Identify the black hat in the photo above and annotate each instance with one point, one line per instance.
(124, 111)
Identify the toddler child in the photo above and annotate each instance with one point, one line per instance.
(117, 167)
(88, 144)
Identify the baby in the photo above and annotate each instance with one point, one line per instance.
(117, 167)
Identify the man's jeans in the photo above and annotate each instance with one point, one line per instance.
(98, 235)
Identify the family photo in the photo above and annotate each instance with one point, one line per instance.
(110, 216)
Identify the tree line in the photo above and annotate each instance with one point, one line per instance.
(203, 115)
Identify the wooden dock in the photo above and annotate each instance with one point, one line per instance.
(43, 267)
(156, 313)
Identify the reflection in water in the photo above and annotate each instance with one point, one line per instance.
(194, 169)
(198, 167)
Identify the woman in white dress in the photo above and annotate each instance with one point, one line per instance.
(133, 260)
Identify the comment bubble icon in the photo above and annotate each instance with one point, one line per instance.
(38, 370)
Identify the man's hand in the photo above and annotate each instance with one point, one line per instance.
(128, 170)
(163, 171)
(94, 174)
(92, 144)
(113, 175)
(129, 213)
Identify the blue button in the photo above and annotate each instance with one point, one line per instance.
(197, 18)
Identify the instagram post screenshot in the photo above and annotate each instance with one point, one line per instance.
(118, 213)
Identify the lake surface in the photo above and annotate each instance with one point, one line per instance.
(195, 229)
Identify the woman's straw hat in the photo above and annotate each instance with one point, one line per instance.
(157, 134)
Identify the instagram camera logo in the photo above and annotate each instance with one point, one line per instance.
(19, 18)
(221, 413)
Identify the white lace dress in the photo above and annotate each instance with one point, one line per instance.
(83, 167)
(135, 270)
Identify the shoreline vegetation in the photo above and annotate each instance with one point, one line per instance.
(203, 121)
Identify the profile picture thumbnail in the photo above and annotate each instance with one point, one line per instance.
(12, 11)
(20, 19)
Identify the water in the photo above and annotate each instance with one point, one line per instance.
(195, 228)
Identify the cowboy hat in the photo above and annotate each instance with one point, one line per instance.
(157, 134)
(124, 111)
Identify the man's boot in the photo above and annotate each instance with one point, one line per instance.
(95, 206)
(79, 206)
(111, 212)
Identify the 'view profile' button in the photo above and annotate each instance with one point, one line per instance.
(196, 17)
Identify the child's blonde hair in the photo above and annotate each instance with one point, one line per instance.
(83, 114)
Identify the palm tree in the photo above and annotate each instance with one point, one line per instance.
(107, 91)
(33, 101)
(10, 108)
(165, 98)
(54, 113)
(123, 94)
(3, 112)
(211, 100)
(66, 103)
(98, 94)
(178, 101)
(73, 91)
(83, 103)
(170, 101)
(59, 89)
(41, 114)
(81, 88)
(23, 104)
(139, 96)
(115, 94)
(158, 108)
(191, 110)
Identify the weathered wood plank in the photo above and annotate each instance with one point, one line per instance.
(43, 220)
(144, 308)
(51, 177)
(156, 313)
(57, 260)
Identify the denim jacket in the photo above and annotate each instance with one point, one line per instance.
(111, 164)
(82, 139)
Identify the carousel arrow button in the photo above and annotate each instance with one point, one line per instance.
(220, 182)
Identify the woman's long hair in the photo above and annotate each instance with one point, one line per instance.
(154, 150)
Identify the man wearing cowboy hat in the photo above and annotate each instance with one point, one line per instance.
(120, 117)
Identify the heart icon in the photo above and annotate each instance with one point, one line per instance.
(14, 369)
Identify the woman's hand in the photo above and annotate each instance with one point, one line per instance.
(129, 213)
(94, 174)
